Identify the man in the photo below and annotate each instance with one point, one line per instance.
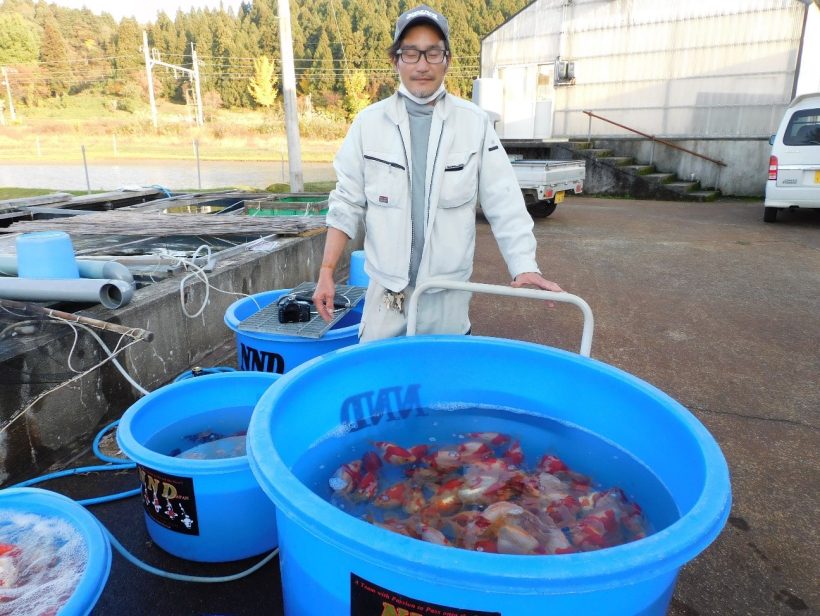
(413, 168)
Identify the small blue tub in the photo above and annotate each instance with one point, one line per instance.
(206, 510)
(279, 353)
(334, 563)
(98, 565)
(358, 277)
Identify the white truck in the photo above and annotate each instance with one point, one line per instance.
(545, 182)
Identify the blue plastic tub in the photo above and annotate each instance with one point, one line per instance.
(277, 352)
(207, 510)
(98, 564)
(358, 277)
(325, 553)
(46, 255)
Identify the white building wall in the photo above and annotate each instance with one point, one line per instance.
(700, 68)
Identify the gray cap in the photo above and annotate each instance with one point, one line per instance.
(422, 14)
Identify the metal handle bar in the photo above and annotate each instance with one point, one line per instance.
(496, 289)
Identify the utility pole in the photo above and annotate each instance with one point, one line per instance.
(12, 114)
(151, 61)
(148, 66)
(289, 95)
(200, 121)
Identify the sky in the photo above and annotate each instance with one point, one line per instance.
(144, 10)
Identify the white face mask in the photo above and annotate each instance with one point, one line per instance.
(421, 101)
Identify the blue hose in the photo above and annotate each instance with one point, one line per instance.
(120, 464)
(163, 189)
(182, 577)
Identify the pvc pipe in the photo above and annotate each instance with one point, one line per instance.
(89, 268)
(110, 293)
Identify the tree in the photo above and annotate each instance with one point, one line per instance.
(18, 42)
(262, 86)
(54, 58)
(356, 98)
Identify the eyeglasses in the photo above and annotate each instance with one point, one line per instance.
(434, 55)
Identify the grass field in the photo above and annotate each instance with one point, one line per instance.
(57, 130)
(17, 193)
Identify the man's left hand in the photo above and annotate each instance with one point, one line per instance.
(534, 280)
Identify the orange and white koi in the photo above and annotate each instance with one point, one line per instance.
(446, 500)
(392, 497)
(432, 535)
(512, 539)
(501, 509)
(414, 500)
(346, 477)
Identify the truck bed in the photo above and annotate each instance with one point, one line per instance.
(556, 174)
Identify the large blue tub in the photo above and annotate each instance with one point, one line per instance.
(270, 352)
(325, 552)
(206, 510)
(98, 564)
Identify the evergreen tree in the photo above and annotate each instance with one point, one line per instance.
(54, 59)
(128, 48)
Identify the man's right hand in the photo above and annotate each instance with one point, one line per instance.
(324, 294)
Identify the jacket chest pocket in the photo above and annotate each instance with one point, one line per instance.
(385, 180)
(459, 182)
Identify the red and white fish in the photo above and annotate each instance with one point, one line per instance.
(444, 460)
(346, 477)
(367, 487)
(491, 438)
(512, 539)
(446, 501)
(473, 451)
(9, 570)
(514, 455)
(432, 535)
(395, 454)
(371, 461)
(392, 497)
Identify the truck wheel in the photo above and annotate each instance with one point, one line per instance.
(541, 209)
(769, 214)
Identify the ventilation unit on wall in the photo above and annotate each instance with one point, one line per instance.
(564, 73)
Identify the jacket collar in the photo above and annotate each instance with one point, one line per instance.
(397, 112)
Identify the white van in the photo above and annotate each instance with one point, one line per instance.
(794, 166)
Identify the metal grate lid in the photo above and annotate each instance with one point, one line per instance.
(266, 321)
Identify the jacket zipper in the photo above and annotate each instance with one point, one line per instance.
(410, 205)
(386, 162)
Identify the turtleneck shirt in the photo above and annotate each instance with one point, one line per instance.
(420, 117)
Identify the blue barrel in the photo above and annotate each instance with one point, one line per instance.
(358, 277)
(328, 556)
(279, 353)
(206, 510)
(52, 505)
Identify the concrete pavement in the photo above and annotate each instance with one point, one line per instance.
(719, 310)
(704, 301)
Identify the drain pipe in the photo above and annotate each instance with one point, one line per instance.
(88, 268)
(110, 293)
